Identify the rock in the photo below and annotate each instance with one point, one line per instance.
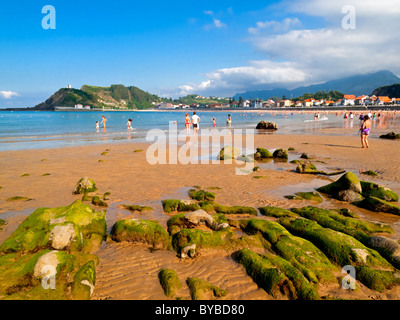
(201, 195)
(61, 236)
(84, 185)
(280, 153)
(263, 154)
(349, 196)
(244, 158)
(378, 191)
(98, 202)
(304, 156)
(391, 136)
(267, 125)
(199, 217)
(378, 205)
(188, 251)
(228, 153)
(41, 268)
(388, 248)
(198, 287)
(306, 167)
(169, 281)
(348, 181)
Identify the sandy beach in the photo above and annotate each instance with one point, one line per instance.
(130, 271)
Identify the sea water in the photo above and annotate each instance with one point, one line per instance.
(23, 130)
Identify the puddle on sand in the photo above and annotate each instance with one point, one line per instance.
(299, 187)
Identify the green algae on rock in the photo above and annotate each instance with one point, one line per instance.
(370, 189)
(348, 181)
(234, 209)
(377, 273)
(84, 185)
(169, 281)
(141, 231)
(357, 228)
(19, 198)
(370, 173)
(201, 195)
(378, 205)
(35, 232)
(312, 196)
(276, 212)
(276, 275)
(98, 202)
(280, 153)
(199, 286)
(174, 205)
(301, 253)
(228, 153)
(262, 153)
(135, 207)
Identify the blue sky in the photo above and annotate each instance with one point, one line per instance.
(172, 48)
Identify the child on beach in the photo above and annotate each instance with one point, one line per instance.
(213, 121)
(129, 124)
(229, 121)
(97, 125)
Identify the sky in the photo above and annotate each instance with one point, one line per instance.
(175, 48)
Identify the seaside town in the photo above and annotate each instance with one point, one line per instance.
(347, 100)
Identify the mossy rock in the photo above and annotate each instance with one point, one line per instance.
(135, 208)
(291, 149)
(306, 167)
(2, 223)
(141, 231)
(84, 185)
(301, 253)
(234, 209)
(228, 153)
(198, 287)
(276, 275)
(311, 196)
(174, 205)
(342, 249)
(391, 136)
(169, 281)
(263, 153)
(199, 239)
(19, 198)
(106, 196)
(370, 189)
(348, 181)
(104, 153)
(281, 154)
(84, 282)
(378, 205)
(256, 169)
(96, 200)
(304, 156)
(245, 158)
(359, 229)
(201, 195)
(207, 206)
(138, 150)
(35, 232)
(260, 177)
(370, 173)
(25, 175)
(46, 174)
(276, 212)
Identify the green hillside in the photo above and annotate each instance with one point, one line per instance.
(113, 97)
(392, 91)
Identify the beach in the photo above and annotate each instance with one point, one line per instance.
(129, 271)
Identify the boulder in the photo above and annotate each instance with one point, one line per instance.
(84, 185)
(349, 196)
(388, 248)
(378, 191)
(391, 136)
(348, 181)
(267, 125)
(378, 205)
(262, 153)
(228, 153)
(280, 153)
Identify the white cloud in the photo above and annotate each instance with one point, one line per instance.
(300, 56)
(8, 94)
(275, 26)
(208, 12)
(219, 24)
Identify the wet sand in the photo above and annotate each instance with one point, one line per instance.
(128, 271)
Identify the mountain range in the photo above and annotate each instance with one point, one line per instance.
(355, 85)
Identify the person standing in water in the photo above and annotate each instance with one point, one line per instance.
(365, 130)
(213, 121)
(195, 122)
(229, 120)
(187, 123)
(129, 124)
(103, 121)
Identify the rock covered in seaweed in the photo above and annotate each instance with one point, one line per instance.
(84, 185)
(228, 153)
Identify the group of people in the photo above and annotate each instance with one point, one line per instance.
(195, 121)
(104, 121)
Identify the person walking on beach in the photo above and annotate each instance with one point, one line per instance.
(187, 123)
(103, 122)
(365, 130)
(195, 122)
